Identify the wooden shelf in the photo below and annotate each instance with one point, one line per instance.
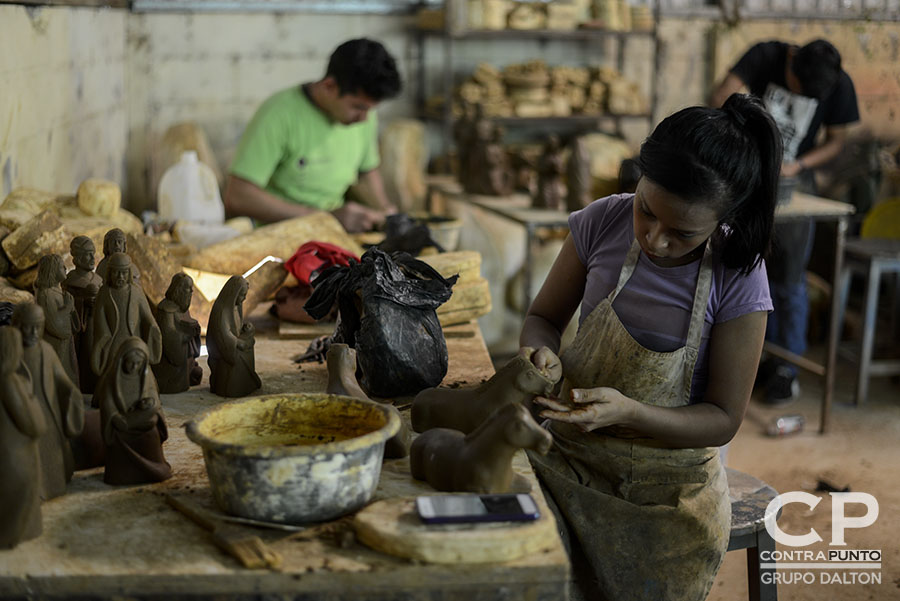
(553, 121)
(534, 34)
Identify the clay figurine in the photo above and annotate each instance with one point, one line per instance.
(131, 417)
(178, 369)
(480, 462)
(490, 172)
(60, 318)
(113, 242)
(229, 339)
(341, 363)
(578, 175)
(551, 192)
(84, 285)
(122, 311)
(58, 397)
(21, 425)
(463, 409)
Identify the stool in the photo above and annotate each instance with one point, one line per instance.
(870, 257)
(749, 499)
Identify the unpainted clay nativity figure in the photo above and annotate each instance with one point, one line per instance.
(232, 363)
(113, 242)
(580, 192)
(131, 416)
(21, 425)
(60, 318)
(464, 409)
(479, 462)
(341, 363)
(178, 369)
(551, 192)
(84, 285)
(122, 311)
(58, 397)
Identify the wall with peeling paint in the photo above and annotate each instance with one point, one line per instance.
(62, 96)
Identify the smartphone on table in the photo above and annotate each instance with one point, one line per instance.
(455, 509)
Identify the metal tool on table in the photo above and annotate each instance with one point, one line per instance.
(249, 549)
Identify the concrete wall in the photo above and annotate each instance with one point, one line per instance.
(62, 96)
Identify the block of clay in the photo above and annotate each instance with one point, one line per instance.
(41, 235)
(22, 204)
(151, 258)
(99, 197)
(11, 294)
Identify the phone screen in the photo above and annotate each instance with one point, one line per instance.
(477, 508)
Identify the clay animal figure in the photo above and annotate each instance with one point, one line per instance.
(551, 192)
(131, 417)
(60, 317)
(229, 339)
(58, 397)
(178, 369)
(464, 409)
(480, 462)
(341, 363)
(84, 285)
(113, 242)
(122, 311)
(21, 425)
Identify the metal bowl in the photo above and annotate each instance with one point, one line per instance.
(293, 458)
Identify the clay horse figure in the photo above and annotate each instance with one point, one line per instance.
(463, 409)
(21, 424)
(230, 341)
(178, 369)
(480, 462)
(341, 362)
(131, 416)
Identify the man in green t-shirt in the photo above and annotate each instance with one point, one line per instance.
(306, 145)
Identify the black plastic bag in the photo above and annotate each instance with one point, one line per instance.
(386, 311)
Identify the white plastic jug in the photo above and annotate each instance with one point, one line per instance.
(188, 191)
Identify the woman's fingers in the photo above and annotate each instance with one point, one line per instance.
(553, 404)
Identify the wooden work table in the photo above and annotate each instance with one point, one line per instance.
(102, 541)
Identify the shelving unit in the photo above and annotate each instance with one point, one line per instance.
(599, 122)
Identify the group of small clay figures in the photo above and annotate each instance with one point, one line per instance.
(95, 332)
(468, 435)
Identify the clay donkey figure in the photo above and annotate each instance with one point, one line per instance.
(464, 409)
(341, 362)
(480, 462)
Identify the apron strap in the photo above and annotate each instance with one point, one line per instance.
(701, 299)
(627, 268)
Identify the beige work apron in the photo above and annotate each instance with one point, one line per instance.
(643, 522)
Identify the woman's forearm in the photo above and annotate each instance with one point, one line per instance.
(538, 332)
(698, 425)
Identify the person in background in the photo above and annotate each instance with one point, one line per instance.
(673, 293)
(306, 145)
(804, 89)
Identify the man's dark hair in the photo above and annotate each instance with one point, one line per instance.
(364, 66)
(818, 67)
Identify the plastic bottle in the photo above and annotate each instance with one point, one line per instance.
(188, 191)
(786, 424)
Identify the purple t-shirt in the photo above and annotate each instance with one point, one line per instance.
(655, 305)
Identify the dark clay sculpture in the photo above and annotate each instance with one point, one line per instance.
(131, 417)
(58, 397)
(21, 425)
(84, 285)
(178, 369)
(122, 311)
(480, 462)
(580, 193)
(490, 172)
(551, 192)
(60, 317)
(463, 409)
(229, 339)
(113, 242)
(341, 362)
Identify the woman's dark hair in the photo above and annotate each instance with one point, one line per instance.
(818, 67)
(363, 65)
(729, 158)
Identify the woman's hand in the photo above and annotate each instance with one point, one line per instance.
(545, 361)
(591, 408)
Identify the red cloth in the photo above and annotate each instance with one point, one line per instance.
(313, 256)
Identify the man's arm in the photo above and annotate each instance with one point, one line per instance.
(244, 198)
(370, 190)
(732, 84)
(835, 136)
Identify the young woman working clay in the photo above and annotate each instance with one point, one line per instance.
(674, 301)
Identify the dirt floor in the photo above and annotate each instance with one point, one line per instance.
(861, 445)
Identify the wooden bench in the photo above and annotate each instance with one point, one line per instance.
(749, 499)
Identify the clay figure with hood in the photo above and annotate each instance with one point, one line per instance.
(122, 311)
(58, 397)
(178, 369)
(229, 339)
(131, 418)
(60, 317)
(21, 424)
(113, 242)
(84, 285)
